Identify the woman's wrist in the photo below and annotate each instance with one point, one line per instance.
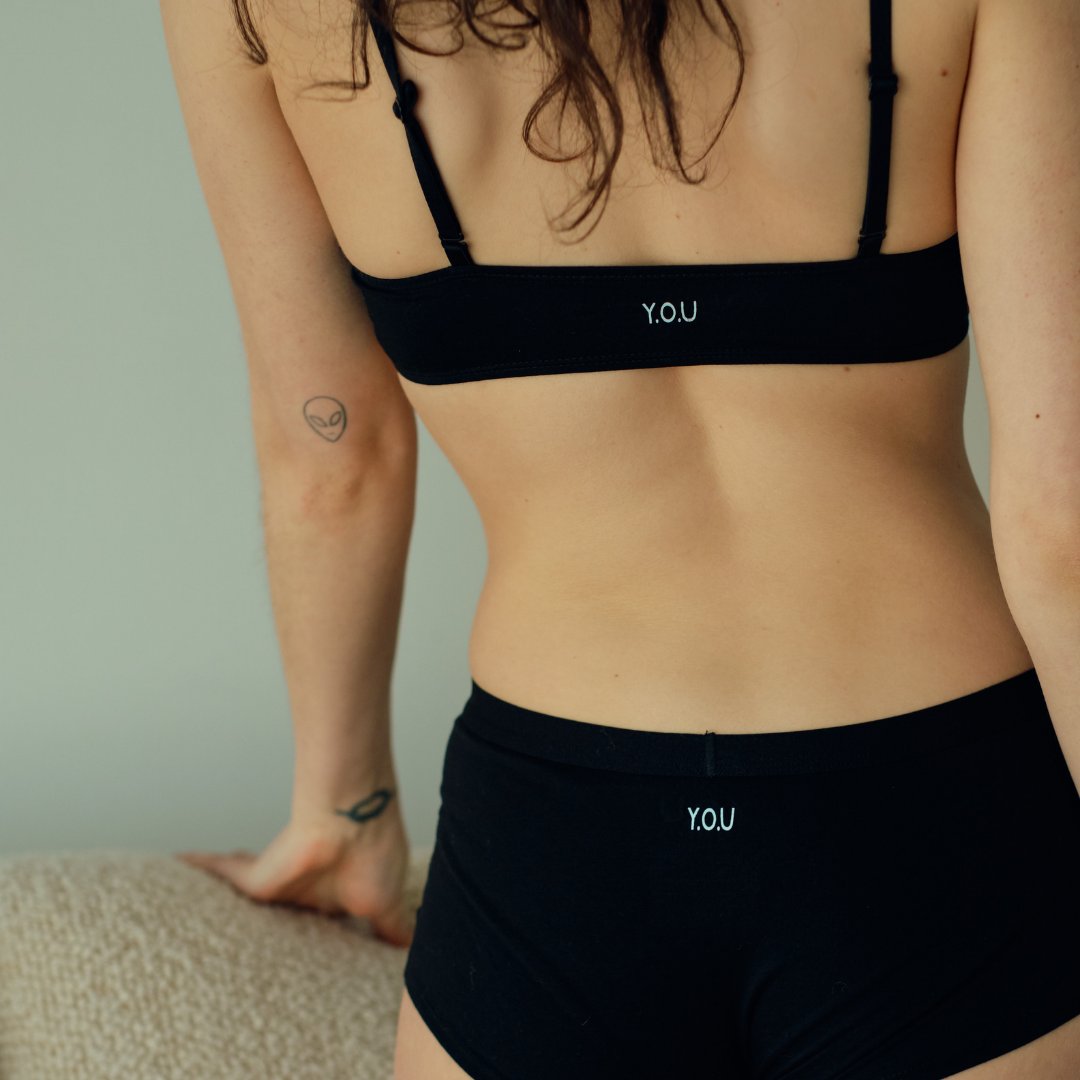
(360, 791)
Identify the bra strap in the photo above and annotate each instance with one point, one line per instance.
(883, 85)
(427, 172)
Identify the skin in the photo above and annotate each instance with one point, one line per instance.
(806, 544)
(712, 513)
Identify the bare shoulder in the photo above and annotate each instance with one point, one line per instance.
(222, 31)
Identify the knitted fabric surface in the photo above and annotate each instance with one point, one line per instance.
(120, 964)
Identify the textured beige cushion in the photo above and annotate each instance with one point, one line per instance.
(117, 964)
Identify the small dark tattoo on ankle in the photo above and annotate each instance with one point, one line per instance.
(369, 807)
(326, 417)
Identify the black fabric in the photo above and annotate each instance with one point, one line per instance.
(987, 711)
(889, 900)
(883, 87)
(486, 322)
(469, 321)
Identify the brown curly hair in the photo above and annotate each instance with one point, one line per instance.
(578, 78)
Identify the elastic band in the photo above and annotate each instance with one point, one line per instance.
(1010, 704)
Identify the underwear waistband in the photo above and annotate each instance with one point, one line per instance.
(1010, 704)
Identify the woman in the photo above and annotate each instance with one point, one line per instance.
(769, 765)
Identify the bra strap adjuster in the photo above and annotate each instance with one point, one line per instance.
(883, 84)
(457, 249)
(405, 100)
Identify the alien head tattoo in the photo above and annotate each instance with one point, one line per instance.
(326, 417)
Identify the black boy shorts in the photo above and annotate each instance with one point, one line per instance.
(896, 899)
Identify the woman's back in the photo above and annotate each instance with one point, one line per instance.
(735, 547)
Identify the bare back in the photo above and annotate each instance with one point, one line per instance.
(731, 547)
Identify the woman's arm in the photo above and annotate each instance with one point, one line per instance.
(334, 434)
(1018, 206)
(336, 554)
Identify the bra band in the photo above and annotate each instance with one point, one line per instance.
(883, 87)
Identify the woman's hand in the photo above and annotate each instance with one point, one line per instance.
(332, 864)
